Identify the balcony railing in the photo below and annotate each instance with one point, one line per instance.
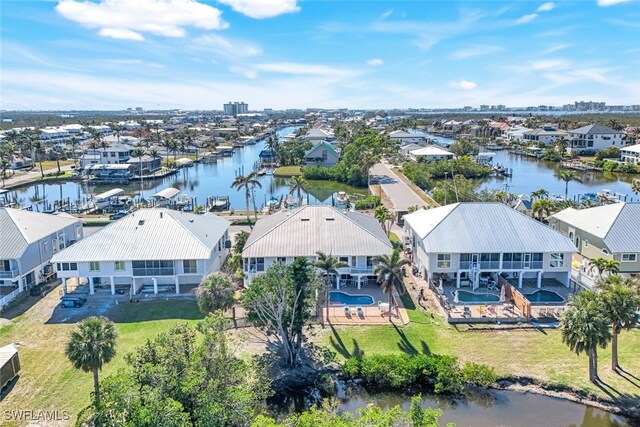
(9, 274)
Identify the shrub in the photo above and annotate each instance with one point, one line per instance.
(608, 153)
(368, 202)
(478, 374)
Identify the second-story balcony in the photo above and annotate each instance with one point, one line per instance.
(9, 274)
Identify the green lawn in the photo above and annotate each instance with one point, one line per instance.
(288, 171)
(533, 353)
(47, 379)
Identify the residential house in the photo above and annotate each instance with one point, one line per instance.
(319, 134)
(593, 138)
(475, 242)
(630, 154)
(113, 154)
(610, 231)
(431, 153)
(352, 237)
(147, 164)
(406, 137)
(29, 240)
(516, 133)
(321, 154)
(405, 149)
(545, 134)
(150, 250)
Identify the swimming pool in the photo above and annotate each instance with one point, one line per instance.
(544, 296)
(466, 296)
(347, 299)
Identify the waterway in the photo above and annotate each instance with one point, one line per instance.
(487, 408)
(530, 174)
(201, 181)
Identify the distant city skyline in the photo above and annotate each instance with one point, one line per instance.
(185, 54)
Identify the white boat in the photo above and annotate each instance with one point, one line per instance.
(108, 198)
(165, 197)
(342, 200)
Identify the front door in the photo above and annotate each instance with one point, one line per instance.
(474, 259)
(527, 260)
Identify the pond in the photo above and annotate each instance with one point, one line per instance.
(486, 408)
(201, 181)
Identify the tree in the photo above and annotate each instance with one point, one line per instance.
(329, 265)
(621, 304)
(39, 150)
(278, 304)
(297, 184)
(539, 194)
(117, 130)
(91, 345)
(248, 182)
(216, 292)
(567, 175)
(584, 328)
(603, 265)
(390, 273)
(240, 240)
(561, 145)
(385, 217)
(635, 186)
(542, 208)
(464, 147)
(139, 153)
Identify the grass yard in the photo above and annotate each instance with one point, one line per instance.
(287, 171)
(51, 164)
(532, 353)
(47, 380)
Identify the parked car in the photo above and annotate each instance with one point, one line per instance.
(36, 290)
(72, 301)
(118, 215)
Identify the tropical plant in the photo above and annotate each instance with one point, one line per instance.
(539, 194)
(621, 305)
(567, 176)
(584, 328)
(329, 265)
(240, 240)
(248, 182)
(542, 208)
(464, 147)
(390, 273)
(385, 217)
(139, 153)
(603, 265)
(216, 292)
(91, 345)
(297, 184)
(635, 186)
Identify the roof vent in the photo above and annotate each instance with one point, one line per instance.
(330, 218)
(304, 219)
(160, 214)
(190, 219)
(141, 222)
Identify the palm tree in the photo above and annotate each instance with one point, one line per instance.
(635, 186)
(139, 153)
(621, 305)
(584, 328)
(567, 175)
(542, 208)
(390, 273)
(561, 145)
(171, 145)
(4, 165)
(603, 265)
(539, 194)
(117, 129)
(384, 217)
(216, 292)
(297, 184)
(38, 149)
(91, 345)
(248, 182)
(74, 144)
(329, 265)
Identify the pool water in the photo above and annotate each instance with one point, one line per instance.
(342, 298)
(466, 296)
(544, 296)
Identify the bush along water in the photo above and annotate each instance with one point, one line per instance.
(440, 374)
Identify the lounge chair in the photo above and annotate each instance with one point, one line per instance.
(347, 312)
(466, 311)
(360, 312)
(558, 312)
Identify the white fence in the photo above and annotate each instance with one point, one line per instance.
(8, 298)
(582, 278)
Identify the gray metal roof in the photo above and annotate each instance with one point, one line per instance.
(617, 224)
(484, 228)
(595, 130)
(20, 228)
(307, 230)
(150, 234)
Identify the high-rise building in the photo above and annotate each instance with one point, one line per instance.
(235, 108)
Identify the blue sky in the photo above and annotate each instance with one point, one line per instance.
(113, 54)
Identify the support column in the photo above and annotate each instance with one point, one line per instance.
(177, 285)
(155, 286)
(539, 279)
(91, 287)
(359, 277)
(568, 279)
(113, 285)
(21, 284)
(520, 279)
(337, 281)
(458, 279)
(64, 286)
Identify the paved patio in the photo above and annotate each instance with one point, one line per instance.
(370, 314)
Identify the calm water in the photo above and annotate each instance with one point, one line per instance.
(202, 181)
(488, 408)
(343, 298)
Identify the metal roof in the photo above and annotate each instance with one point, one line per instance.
(483, 228)
(20, 228)
(6, 353)
(167, 193)
(310, 229)
(617, 224)
(595, 130)
(431, 150)
(150, 234)
(110, 193)
(321, 144)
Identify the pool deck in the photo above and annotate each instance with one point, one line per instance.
(371, 314)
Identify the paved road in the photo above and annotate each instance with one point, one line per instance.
(401, 195)
(21, 177)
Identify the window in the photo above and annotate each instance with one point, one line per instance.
(152, 268)
(344, 259)
(54, 245)
(94, 266)
(629, 257)
(61, 242)
(190, 266)
(119, 265)
(354, 261)
(369, 261)
(65, 266)
(78, 233)
(557, 260)
(73, 266)
(281, 260)
(45, 246)
(444, 260)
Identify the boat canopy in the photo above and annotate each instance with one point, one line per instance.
(184, 161)
(167, 193)
(110, 193)
(6, 353)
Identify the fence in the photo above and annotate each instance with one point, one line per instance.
(519, 300)
(9, 297)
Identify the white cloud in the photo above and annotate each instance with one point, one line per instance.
(550, 64)
(477, 50)
(464, 85)
(224, 46)
(386, 14)
(606, 3)
(260, 9)
(526, 18)
(555, 48)
(375, 62)
(130, 19)
(546, 7)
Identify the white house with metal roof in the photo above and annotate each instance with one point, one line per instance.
(630, 154)
(594, 138)
(150, 250)
(431, 153)
(318, 134)
(352, 237)
(406, 137)
(475, 242)
(29, 240)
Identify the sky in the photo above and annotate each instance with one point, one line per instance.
(187, 54)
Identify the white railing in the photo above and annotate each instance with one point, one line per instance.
(9, 297)
(583, 278)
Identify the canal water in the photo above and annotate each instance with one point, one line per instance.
(201, 181)
(484, 408)
(530, 174)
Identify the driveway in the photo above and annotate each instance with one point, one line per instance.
(401, 195)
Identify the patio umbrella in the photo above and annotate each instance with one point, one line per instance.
(440, 288)
(455, 298)
(503, 294)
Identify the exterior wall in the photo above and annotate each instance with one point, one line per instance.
(433, 158)
(595, 142)
(405, 140)
(629, 156)
(330, 160)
